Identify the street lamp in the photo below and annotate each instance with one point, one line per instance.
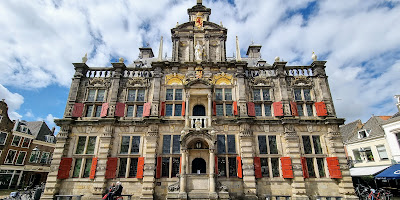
(35, 149)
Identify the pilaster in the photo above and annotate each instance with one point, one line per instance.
(80, 72)
(150, 162)
(283, 87)
(246, 151)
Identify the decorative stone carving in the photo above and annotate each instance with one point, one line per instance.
(290, 132)
(301, 81)
(154, 109)
(64, 131)
(245, 130)
(152, 131)
(174, 79)
(222, 79)
(309, 128)
(221, 188)
(107, 131)
(174, 187)
(137, 82)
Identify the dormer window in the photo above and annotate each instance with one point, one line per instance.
(363, 133)
(49, 138)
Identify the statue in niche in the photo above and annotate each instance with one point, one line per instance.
(198, 51)
(199, 72)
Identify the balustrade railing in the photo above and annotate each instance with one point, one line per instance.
(298, 71)
(100, 72)
(260, 72)
(198, 122)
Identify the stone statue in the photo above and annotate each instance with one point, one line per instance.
(198, 49)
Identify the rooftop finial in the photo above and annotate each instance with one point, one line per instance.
(160, 50)
(314, 56)
(84, 59)
(238, 57)
(200, 2)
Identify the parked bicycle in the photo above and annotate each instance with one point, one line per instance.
(368, 193)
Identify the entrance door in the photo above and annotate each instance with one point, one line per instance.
(199, 164)
(199, 110)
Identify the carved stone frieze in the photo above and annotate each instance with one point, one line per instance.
(174, 187)
(301, 81)
(64, 131)
(245, 130)
(290, 132)
(108, 131)
(99, 82)
(137, 82)
(221, 188)
(222, 79)
(262, 81)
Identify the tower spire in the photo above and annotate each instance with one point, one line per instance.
(200, 2)
(238, 57)
(160, 50)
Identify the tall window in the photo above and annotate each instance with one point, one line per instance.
(16, 140)
(21, 158)
(268, 152)
(226, 149)
(45, 157)
(3, 138)
(357, 155)
(304, 102)
(171, 156)
(129, 154)
(128, 167)
(313, 153)
(10, 156)
(96, 95)
(34, 157)
(223, 99)
(382, 152)
(95, 98)
(86, 145)
(263, 102)
(368, 153)
(130, 145)
(173, 106)
(25, 143)
(135, 100)
(82, 168)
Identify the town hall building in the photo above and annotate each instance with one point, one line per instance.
(200, 125)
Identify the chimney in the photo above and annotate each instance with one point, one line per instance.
(254, 51)
(146, 52)
(53, 129)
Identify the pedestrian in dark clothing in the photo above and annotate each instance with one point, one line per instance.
(116, 192)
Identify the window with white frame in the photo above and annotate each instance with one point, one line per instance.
(82, 167)
(171, 156)
(86, 145)
(303, 99)
(226, 151)
(135, 100)
(21, 158)
(269, 157)
(128, 167)
(95, 98)
(93, 110)
(262, 102)
(34, 157)
(3, 138)
(173, 105)
(49, 138)
(315, 160)
(130, 144)
(45, 157)
(26, 142)
(382, 152)
(224, 101)
(96, 95)
(129, 154)
(357, 155)
(369, 154)
(10, 156)
(16, 140)
(363, 133)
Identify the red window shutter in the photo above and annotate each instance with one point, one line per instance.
(278, 109)
(257, 167)
(235, 108)
(162, 113)
(120, 109)
(287, 170)
(293, 107)
(183, 108)
(216, 165)
(251, 109)
(64, 168)
(321, 109)
(333, 167)
(214, 108)
(304, 166)
(158, 168)
(140, 167)
(78, 110)
(93, 168)
(111, 168)
(239, 167)
(104, 109)
(146, 109)
(180, 164)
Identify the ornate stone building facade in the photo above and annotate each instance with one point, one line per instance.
(200, 125)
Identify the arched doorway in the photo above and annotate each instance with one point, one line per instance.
(199, 164)
(199, 110)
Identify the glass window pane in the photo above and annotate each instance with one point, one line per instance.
(25, 143)
(16, 140)
(91, 95)
(297, 94)
(178, 94)
(221, 166)
(10, 156)
(133, 168)
(266, 96)
(168, 110)
(275, 167)
(77, 168)
(258, 109)
(307, 144)
(165, 167)
(310, 167)
(166, 144)
(34, 156)
(228, 94)
(220, 110)
(131, 95)
(317, 144)
(264, 167)
(98, 111)
(262, 144)
(21, 158)
(81, 145)
(368, 153)
(135, 144)
(175, 167)
(231, 144)
(100, 95)
(307, 95)
(357, 155)
(300, 110)
(91, 145)
(218, 94)
(89, 111)
(228, 109)
(321, 167)
(178, 109)
(88, 165)
(122, 167)
(232, 166)
(256, 95)
(170, 94)
(176, 145)
(273, 149)
(130, 111)
(45, 156)
(382, 152)
(267, 109)
(3, 137)
(139, 111)
(309, 110)
(140, 95)
(221, 143)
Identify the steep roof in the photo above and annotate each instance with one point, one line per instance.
(373, 125)
(348, 130)
(39, 129)
(394, 118)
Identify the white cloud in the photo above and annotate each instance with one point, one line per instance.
(29, 114)
(13, 100)
(359, 39)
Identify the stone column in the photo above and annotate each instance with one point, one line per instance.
(212, 171)
(182, 184)
(241, 90)
(80, 72)
(187, 120)
(150, 162)
(246, 151)
(209, 111)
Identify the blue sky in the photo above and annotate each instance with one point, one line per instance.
(41, 38)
